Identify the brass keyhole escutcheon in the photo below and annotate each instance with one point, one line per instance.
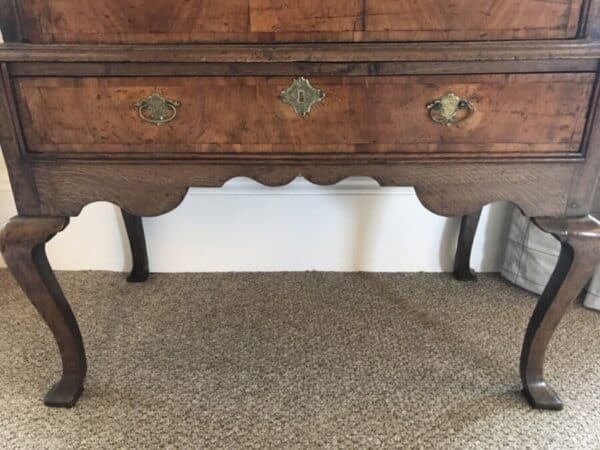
(301, 96)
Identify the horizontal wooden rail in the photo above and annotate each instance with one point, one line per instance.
(254, 53)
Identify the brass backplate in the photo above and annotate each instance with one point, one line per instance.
(301, 96)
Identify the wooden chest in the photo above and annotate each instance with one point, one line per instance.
(133, 102)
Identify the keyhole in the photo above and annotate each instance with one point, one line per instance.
(300, 96)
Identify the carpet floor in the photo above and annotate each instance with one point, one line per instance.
(296, 360)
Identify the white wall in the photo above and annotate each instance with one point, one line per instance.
(352, 226)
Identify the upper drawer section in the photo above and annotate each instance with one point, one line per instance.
(172, 21)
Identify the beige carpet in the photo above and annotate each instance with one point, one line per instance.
(302, 360)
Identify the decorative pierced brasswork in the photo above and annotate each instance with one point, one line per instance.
(157, 109)
(450, 110)
(301, 96)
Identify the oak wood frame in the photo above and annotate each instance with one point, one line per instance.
(49, 189)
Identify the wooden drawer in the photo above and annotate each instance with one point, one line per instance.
(169, 21)
(540, 113)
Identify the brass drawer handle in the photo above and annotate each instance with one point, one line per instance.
(301, 96)
(450, 110)
(157, 110)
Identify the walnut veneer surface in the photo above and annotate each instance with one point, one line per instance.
(134, 102)
(241, 114)
(158, 21)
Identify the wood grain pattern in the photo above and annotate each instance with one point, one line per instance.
(162, 21)
(590, 25)
(586, 181)
(514, 113)
(22, 243)
(471, 54)
(467, 20)
(13, 150)
(579, 256)
(155, 187)
(293, 69)
(10, 24)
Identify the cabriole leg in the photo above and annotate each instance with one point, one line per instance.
(137, 242)
(22, 242)
(462, 261)
(580, 252)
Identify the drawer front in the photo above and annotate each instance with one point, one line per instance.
(543, 113)
(169, 21)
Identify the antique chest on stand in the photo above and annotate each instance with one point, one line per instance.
(135, 101)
